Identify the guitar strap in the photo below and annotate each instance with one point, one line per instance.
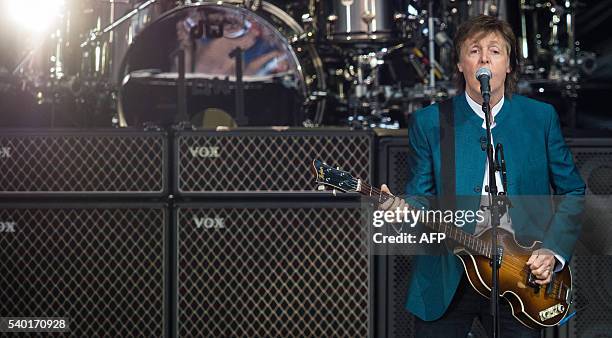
(447, 155)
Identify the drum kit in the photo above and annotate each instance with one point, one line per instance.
(362, 63)
(553, 62)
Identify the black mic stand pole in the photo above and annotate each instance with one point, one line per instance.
(496, 205)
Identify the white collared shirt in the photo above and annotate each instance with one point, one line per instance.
(477, 108)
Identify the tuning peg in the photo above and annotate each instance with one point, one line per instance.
(321, 187)
(337, 168)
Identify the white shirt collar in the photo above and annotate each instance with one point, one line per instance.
(477, 108)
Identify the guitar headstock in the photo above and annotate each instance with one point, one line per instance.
(334, 177)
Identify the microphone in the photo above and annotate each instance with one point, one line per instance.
(484, 76)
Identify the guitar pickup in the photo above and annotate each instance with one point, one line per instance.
(569, 296)
(549, 287)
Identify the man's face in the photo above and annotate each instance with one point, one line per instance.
(490, 51)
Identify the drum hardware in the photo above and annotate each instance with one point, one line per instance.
(284, 57)
(554, 48)
(553, 55)
(329, 27)
(370, 101)
(95, 34)
(401, 20)
(43, 74)
(241, 118)
(317, 96)
(252, 5)
(419, 67)
(552, 63)
(20, 65)
(307, 18)
(444, 63)
(425, 67)
(105, 42)
(420, 95)
(370, 22)
(44, 60)
(432, 45)
(566, 66)
(75, 102)
(587, 62)
(181, 87)
(443, 40)
(309, 29)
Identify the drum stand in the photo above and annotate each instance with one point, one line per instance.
(95, 34)
(366, 108)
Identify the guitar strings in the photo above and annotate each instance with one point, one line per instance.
(511, 262)
(513, 265)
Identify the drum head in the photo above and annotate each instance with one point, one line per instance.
(277, 77)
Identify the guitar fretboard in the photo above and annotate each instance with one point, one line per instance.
(469, 241)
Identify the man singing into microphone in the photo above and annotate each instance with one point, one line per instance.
(538, 163)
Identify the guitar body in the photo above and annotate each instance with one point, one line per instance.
(533, 305)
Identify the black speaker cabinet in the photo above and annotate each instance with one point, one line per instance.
(395, 270)
(592, 261)
(593, 157)
(272, 269)
(103, 266)
(99, 163)
(393, 162)
(265, 161)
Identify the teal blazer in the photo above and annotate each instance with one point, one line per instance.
(539, 163)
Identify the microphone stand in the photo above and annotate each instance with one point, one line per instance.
(497, 207)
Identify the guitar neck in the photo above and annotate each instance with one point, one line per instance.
(469, 241)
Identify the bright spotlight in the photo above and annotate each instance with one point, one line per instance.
(34, 15)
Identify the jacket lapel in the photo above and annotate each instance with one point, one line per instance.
(469, 156)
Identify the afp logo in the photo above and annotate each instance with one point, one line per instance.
(209, 222)
(7, 226)
(204, 152)
(5, 152)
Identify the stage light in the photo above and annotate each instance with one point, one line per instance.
(34, 15)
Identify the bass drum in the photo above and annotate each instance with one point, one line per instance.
(282, 72)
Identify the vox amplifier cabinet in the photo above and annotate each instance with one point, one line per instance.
(83, 163)
(101, 266)
(265, 161)
(277, 269)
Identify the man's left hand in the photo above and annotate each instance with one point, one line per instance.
(542, 263)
